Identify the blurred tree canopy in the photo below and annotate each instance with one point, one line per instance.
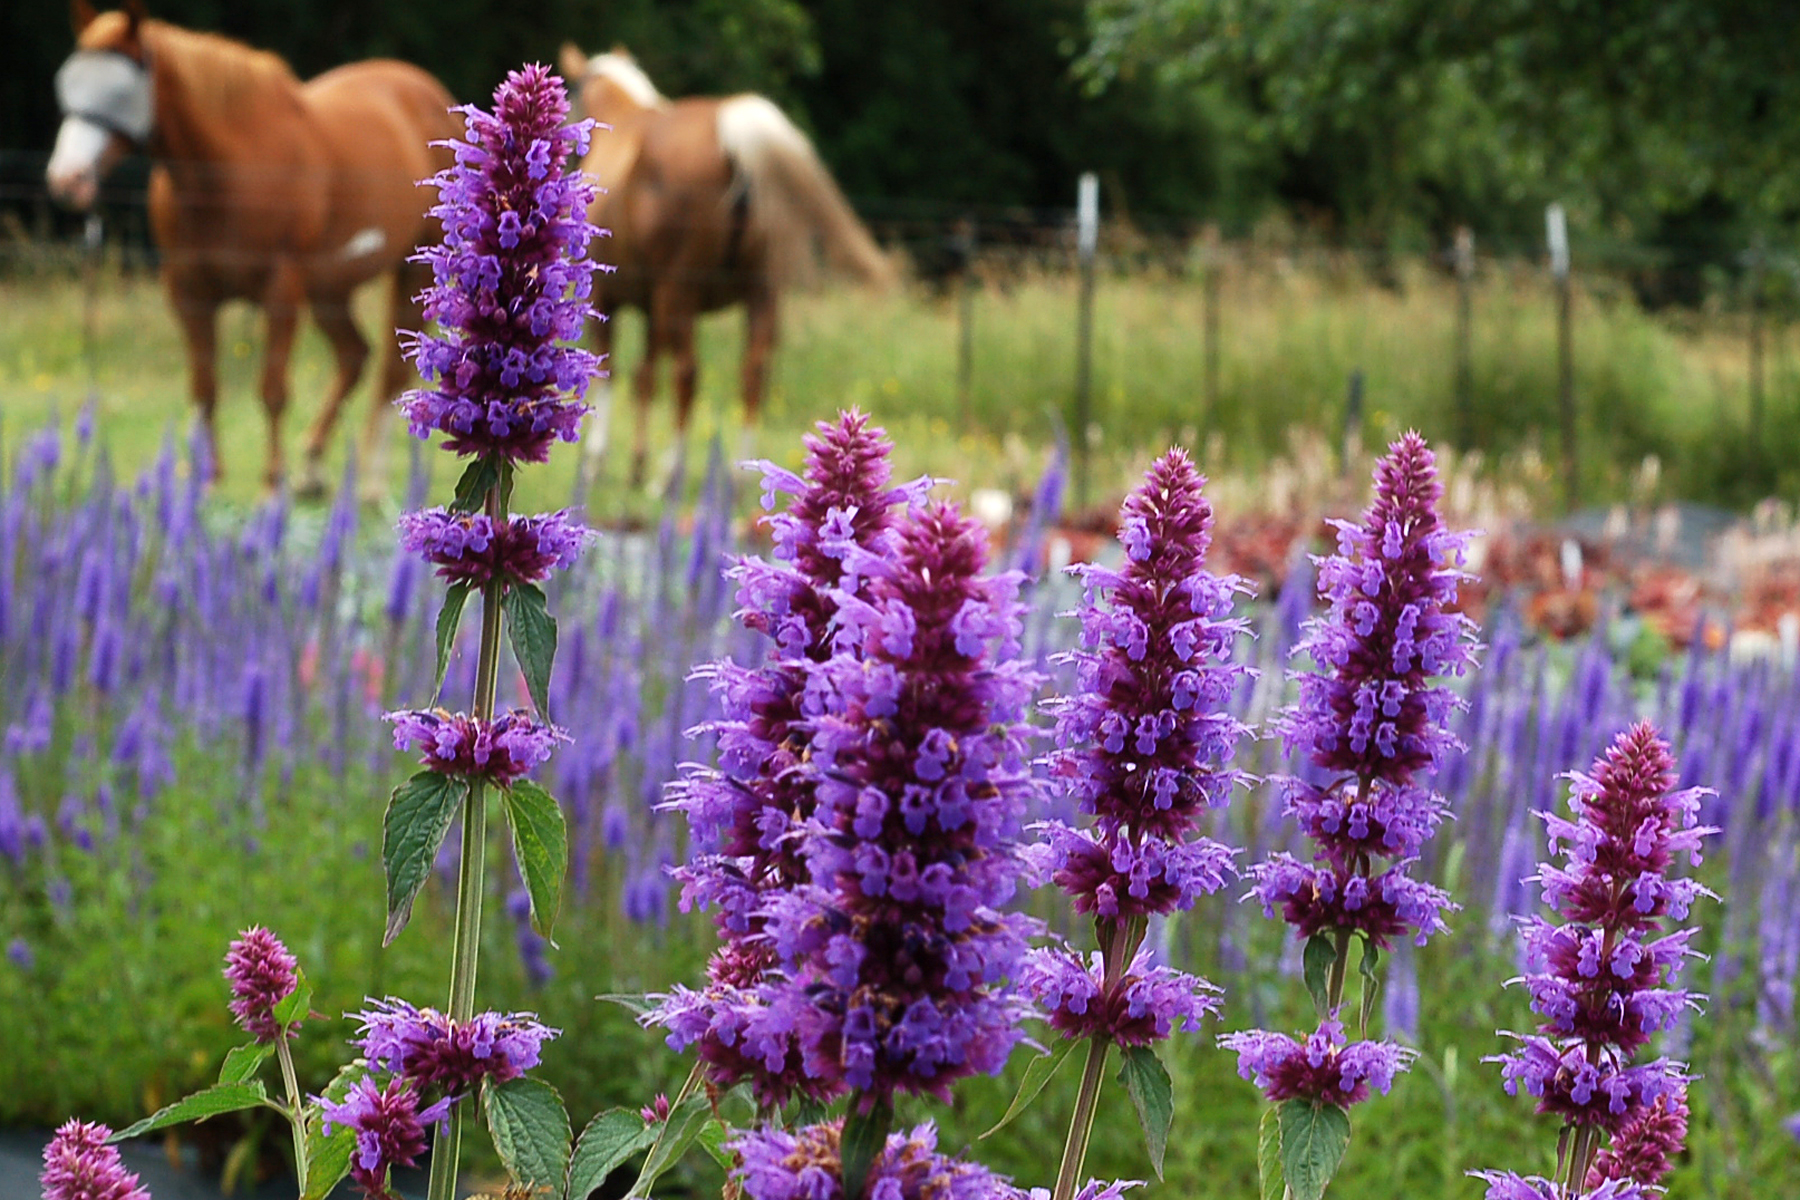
(1653, 118)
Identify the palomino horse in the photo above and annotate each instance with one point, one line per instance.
(711, 202)
(264, 189)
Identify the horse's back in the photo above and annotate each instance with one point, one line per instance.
(380, 117)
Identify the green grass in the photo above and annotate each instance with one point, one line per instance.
(1289, 340)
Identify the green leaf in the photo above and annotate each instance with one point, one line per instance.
(243, 1061)
(808, 1112)
(418, 818)
(472, 489)
(540, 840)
(609, 1140)
(328, 1157)
(1320, 955)
(297, 1004)
(506, 485)
(1313, 1140)
(712, 1139)
(679, 1133)
(1268, 1156)
(864, 1136)
(449, 619)
(220, 1098)
(1153, 1096)
(1371, 982)
(533, 633)
(635, 1003)
(531, 1130)
(1042, 1069)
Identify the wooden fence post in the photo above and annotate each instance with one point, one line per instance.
(1087, 238)
(1556, 227)
(1353, 424)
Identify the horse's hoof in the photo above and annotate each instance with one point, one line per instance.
(310, 489)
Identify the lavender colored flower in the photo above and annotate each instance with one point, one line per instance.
(1507, 1186)
(1602, 980)
(79, 1165)
(901, 949)
(774, 1164)
(498, 751)
(1643, 1148)
(1145, 1004)
(433, 1051)
(389, 1126)
(1322, 1068)
(261, 973)
(467, 548)
(511, 280)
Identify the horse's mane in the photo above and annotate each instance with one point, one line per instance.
(216, 71)
(623, 70)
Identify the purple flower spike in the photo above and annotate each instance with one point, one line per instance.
(774, 1164)
(1507, 1186)
(1146, 1004)
(497, 751)
(511, 280)
(1602, 979)
(390, 1130)
(433, 1051)
(261, 974)
(466, 547)
(79, 1165)
(1322, 1067)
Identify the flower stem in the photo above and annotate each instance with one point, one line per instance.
(296, 1114)
(465, 951)
(1119, 941)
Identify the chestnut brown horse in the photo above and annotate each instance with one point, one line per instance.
(264, 189)
(711, 202)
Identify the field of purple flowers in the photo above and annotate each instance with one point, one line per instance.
(190, 734)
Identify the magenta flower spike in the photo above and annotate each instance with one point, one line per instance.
(1604, 980)
(469, 548)
(774, 1164)
(497, 751)
(452, 1057)
(79, 1165)
(390, 1130)
(261, 973)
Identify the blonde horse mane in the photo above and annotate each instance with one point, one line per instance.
(218, 73)
(622, 69)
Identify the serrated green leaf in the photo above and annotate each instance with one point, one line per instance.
(679, 1133)
(243, 1061)
(1154, 1098)
(449, 619)
(609, 1140)
(713, 1136)
(532, 631)
(328, 1157)
(863, 1138)
(296, 1004)
(472, 489)
(531, 1130)
(1038, 1073)
(506, 485)
(635, 1003)
(1371, 982)
(220, 1098)
(418, 818)
(1313, 1140)
(1268, 1156)
(1318, 959)
(540, 839)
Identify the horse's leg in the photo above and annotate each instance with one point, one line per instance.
(643, 393)
(761, 313)
(404, 312)
(676, 317)
(199, 316)
(282, 299)
(332, 313)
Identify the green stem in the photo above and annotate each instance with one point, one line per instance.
(465, 950)
(687, 1089)
(1340, 971)
(296, 1114)
(1119, 941)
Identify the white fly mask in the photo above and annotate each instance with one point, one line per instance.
(108, 89)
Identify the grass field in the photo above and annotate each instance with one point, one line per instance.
(1289, 340)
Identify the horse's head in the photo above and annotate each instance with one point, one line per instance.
(105, 94)
(610, 85)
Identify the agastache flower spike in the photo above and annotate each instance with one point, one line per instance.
(511, 280)
(261, 974)
(499, 750)
(1603, 981)
(469, 548)
(433, 1051)
(79, 1165)
(389, 1127)
(774, 1164)
(1143, 746)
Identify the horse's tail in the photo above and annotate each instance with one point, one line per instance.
(792, 197)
